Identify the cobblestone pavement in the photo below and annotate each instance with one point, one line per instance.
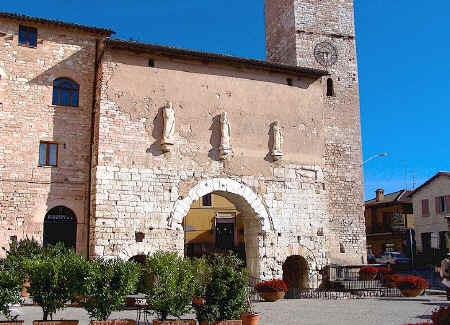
(367, 311)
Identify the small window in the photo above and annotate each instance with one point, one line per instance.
(48, 154)
(289, 82)
(330, 88)
(151, 63)
(28, 36)
(65, 92)
(441, 204)
(207, 200)
(425, 208)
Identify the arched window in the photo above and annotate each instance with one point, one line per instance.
(330, 88)
(65, 92)
(60, 225)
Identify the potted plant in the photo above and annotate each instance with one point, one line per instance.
(368, 273)
(173, 287)
(10, 286)
(249, 316)
(224, 293)
(106, 288)
(411, 286)
(271, 290)
(54, 275)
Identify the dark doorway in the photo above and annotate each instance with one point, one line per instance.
(60, 226)
(225, 235)
(295, 272)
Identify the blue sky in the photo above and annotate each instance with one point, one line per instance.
(403, 54)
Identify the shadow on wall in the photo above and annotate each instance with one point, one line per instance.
(214, 140)
(157, 131)
(63, 150)
(269, 157)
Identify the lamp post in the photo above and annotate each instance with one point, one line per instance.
(383, 154)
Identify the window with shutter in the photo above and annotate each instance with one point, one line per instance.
(425, 208)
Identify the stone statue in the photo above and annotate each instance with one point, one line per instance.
(225, 146)
(276, 147)
(168, 139)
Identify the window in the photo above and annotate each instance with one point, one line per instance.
(48, 154)
(207, 200)
(387, 221)
(443, 240)
(289, 82)
(28, 36)
(151, 63)
(425, 208)
(65, 92)
(330, 88)
(441, 204)
(426, 241)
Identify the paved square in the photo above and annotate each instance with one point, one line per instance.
(367, 311)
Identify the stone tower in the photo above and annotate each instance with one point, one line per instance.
(321, 34)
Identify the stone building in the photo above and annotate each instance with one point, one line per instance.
(431, 207)
(112, 141)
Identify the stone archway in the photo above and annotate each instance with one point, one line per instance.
(256, 219)
(60, 226)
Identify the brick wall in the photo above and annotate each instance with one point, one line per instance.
(27, 191)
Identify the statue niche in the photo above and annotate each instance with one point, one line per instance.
(225, 150)
(168, 136)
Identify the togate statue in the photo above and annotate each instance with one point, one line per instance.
(276, 152)
(168, 137)
(225, 146)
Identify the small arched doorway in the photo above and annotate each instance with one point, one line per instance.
(144, 280)
(295, 272)
(60, 226)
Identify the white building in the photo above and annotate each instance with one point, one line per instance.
(431, 207)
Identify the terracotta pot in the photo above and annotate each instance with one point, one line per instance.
(175, 322)
(55, 322)
(224, 322)
(272, 296)
(11, 322)
(411, 292)
(114, 322)
(250, 319)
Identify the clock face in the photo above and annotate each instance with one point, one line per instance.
(325, 54)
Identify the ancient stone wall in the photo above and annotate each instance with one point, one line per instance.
(141, 189)
(331, 22)
(27, 116)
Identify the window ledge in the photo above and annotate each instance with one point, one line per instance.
(62, 106)
(46, 166)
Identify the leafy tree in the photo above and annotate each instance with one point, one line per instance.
(173, 285)
(55, 276)
(107, 285)
(21, 250)
(225, 295)
(10, 285)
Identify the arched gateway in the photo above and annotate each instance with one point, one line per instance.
(254, 214)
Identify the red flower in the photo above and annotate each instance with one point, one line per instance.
(411, 282)
(368, 272)
(271, 286)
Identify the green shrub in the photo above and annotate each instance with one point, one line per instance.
(10, 285)
(173, 285)
(55, 276)
(225, 291)
(107, 285)
(21, 250)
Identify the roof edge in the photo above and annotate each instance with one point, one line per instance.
(57, 23)
(114, 43)
(429, 181)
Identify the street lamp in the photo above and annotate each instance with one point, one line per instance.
(383, 154)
